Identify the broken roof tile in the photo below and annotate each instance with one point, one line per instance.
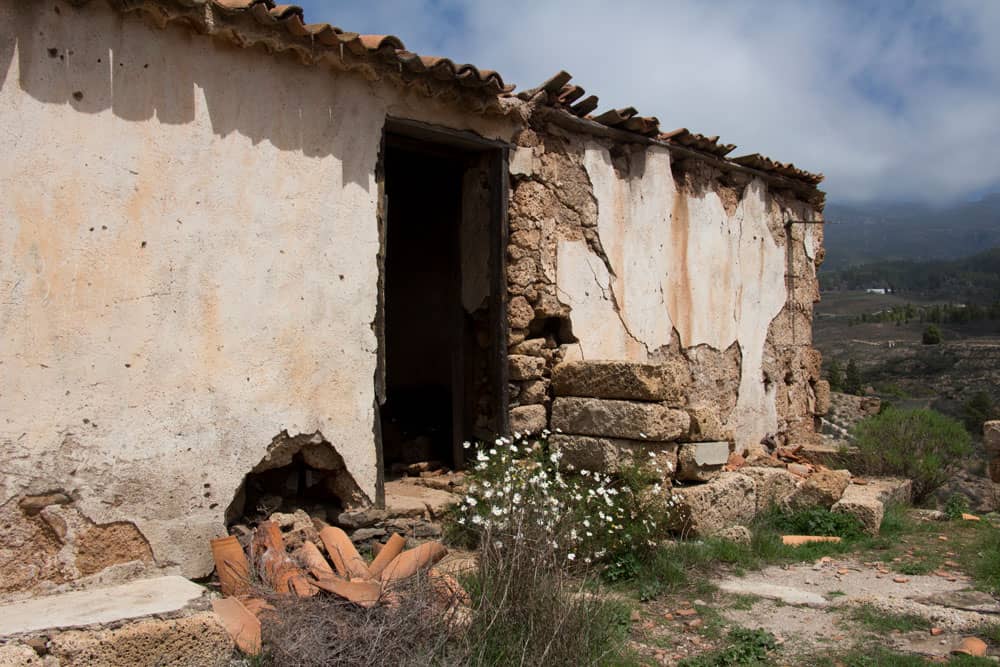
(683, 137)
(787, 169)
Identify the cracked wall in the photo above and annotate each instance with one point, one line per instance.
(190, 266)
(651, 260)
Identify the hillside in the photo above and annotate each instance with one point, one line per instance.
(974, 279)
(878, 232)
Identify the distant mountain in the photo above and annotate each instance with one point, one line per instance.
(863, 234)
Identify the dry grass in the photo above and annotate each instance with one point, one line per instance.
(413, 626)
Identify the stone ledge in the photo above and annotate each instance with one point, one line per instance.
(619, 419)
(136, 599)
(612, 455)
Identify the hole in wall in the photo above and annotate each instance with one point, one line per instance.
(559, 329)
(299, 472)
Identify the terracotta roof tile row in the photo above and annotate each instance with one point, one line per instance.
(561, 94)
(283, 27)
(699, 142)
(758, 161)
(286, 24)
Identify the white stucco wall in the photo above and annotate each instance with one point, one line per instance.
(188, 266)
(679, 261)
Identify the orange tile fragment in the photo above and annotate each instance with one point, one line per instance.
(797, 540)
(412, 561)
(343, 553)
(231, 565)
(389, 551)
(241, 625)
(314, 561)
(364, 593)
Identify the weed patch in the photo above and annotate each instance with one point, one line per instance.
(986, 567)
(746, 647)
(880, 622)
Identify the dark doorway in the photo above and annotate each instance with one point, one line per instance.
(442, 331)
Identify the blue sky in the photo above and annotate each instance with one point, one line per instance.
(891, 99)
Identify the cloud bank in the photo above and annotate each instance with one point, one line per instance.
(892, 100)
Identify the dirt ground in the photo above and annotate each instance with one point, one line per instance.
(914, 599)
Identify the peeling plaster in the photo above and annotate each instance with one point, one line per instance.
(677, 260)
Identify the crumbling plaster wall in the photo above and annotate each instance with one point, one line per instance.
(189, 265)
(653, 262)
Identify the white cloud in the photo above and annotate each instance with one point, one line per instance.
(889, 101)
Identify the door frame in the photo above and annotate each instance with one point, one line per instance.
(426, 135)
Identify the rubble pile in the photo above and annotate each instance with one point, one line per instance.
(610, 414)
(307, 561)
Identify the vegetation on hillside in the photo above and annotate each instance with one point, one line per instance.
(923, 445)
(971, 280)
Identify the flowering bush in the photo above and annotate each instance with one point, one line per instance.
(517, 495)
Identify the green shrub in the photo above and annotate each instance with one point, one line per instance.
(817, 521)
(923, 445)
(978, 409)
(956, 506)
(931, 335)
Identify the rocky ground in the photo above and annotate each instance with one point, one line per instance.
(915, 600)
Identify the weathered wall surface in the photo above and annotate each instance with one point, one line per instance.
(188, 268)
(658, 262)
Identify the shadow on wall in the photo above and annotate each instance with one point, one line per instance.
(94, 60)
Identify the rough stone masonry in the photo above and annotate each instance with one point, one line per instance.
(198, 277)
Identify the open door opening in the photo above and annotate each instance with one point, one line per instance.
(443, 333)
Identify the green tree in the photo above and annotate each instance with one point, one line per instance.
(852, 379)
(932, 335)
(835, 376)
(978, 409)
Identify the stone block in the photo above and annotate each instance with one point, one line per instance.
(991, 438)
(615, 380)
(519, 313)
(737, 534)
(820, 489)
(532, 347)
(22, 655)
(863, 503)
(523, 367)
(822, 389)
(403, 499)
(93, 606)
(523, 162)
(198, 640)
(701, 461)
(994, 470)
(526, 419)
(611, 455)
(890, 490)
(706, 424)
(774, 486)
(534, 392)
(619, 419)
(709, 509)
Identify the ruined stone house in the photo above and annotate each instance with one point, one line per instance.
(242, 252)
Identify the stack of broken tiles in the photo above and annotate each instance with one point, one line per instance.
(609, 415)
